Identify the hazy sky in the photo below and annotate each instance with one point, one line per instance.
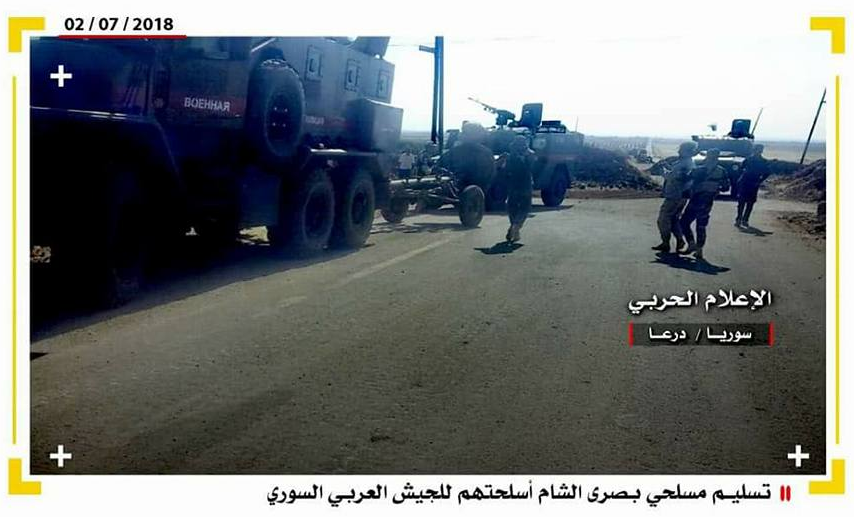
(663, 85)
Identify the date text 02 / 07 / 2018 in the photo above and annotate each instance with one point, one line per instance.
(127, 23)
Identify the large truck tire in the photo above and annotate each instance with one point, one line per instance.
(471, 206)
(306, 216)
(274, 117)
(554, 192)
(355, 204)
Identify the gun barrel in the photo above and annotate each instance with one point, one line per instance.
(484, 105)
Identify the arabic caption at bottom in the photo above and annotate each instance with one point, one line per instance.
(444, 493)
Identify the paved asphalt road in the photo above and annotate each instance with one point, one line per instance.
(430, 351)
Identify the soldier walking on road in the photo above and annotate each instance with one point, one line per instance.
(755, 171)
(706, 181)
(519, 183)
(675, 185)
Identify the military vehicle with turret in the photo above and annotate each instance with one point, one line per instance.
(554, 150)
(734, 147)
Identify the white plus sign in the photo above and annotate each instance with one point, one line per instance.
(60, 76)
(798, 456)
(60, 456)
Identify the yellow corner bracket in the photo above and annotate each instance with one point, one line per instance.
(17, 25)
(836, 26)
(833, 486)
(17, 485)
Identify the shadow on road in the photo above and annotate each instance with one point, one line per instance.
(500, 248)
(535, 209)
(543, 208)
(682, 262)
(750, 230)
(416, 227)
(192, 269)
(452, 210)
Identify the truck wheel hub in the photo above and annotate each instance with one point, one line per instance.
(280, 124)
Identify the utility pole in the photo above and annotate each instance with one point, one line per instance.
(817, 112)
(437, 126)
(440, 52)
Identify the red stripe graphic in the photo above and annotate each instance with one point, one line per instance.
(631, 334)
(771, 333)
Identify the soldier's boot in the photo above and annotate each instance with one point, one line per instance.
(680, 243)
(748, 210)
(691, 248)
(664, 246)
(698, 254)
(517, 233)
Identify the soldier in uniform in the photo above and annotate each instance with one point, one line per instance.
(755, 171)
(675, 185)
(517, 172)
(706, 181)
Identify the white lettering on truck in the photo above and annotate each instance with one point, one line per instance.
(207, 104)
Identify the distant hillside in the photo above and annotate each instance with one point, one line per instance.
(415, 136)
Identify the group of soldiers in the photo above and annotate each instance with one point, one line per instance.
(689, 193)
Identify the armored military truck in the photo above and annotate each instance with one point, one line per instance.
(149, 139)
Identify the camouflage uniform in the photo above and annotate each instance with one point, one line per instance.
(517, 177)
(706, 181)
(755, 171)
(675, 185)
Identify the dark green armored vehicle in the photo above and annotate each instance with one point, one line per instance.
(150, 138)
